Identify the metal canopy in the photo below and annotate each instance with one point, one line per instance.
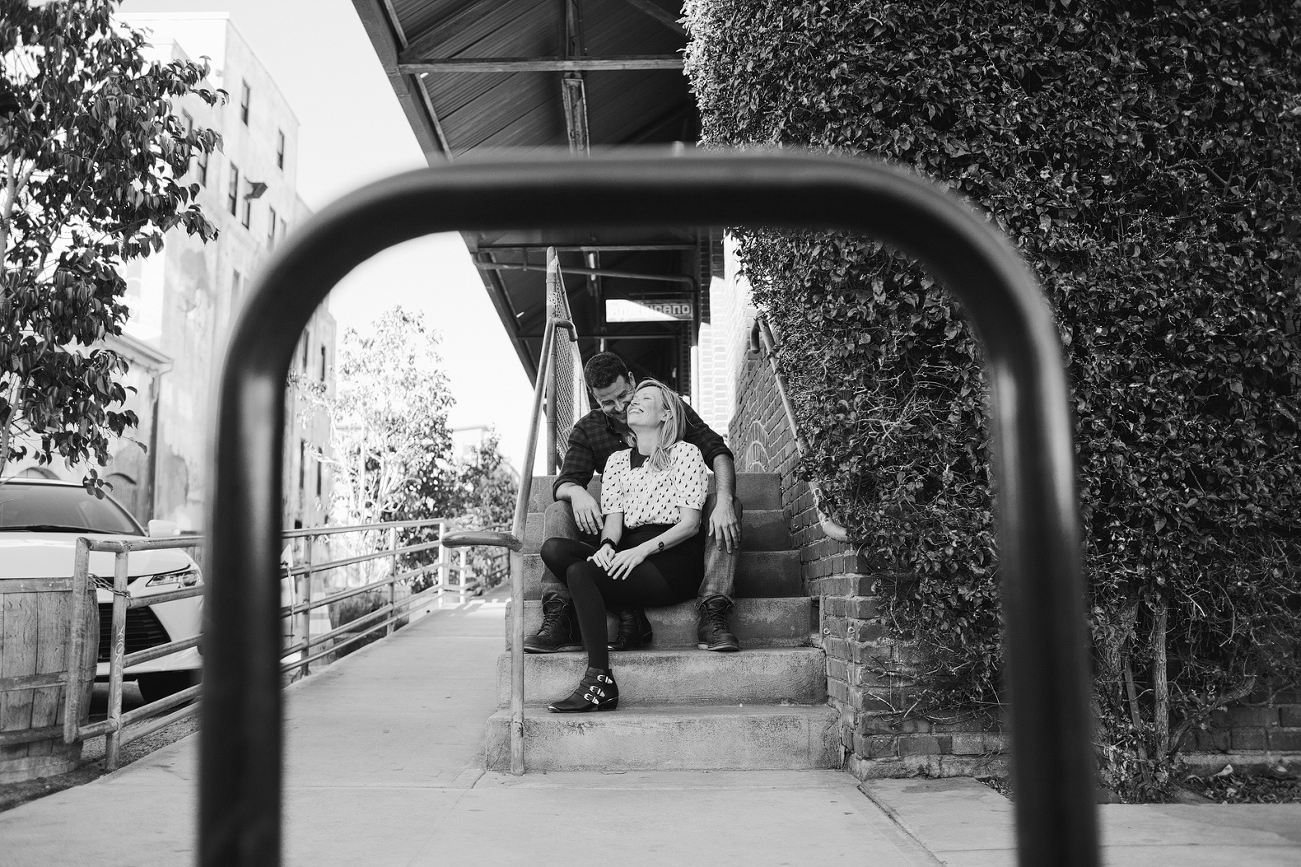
(479, 76)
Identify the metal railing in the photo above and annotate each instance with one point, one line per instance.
(241, 747)
(552, 377)
(121, 727)
(768, 343)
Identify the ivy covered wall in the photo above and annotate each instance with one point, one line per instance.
(1144, 159)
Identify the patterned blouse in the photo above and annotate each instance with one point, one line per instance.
(646, 496)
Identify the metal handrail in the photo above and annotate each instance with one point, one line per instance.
(831, 528)
(121, 727)
(544, 385)
(241, 747)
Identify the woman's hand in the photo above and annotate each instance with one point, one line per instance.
(623, 562)
(603, 557)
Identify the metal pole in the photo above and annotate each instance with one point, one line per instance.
(444, 560)
(116, 663)
(554, 287)
(517, 569)
(305, 617)
(392, 585)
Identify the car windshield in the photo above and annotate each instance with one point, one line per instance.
(61, 508)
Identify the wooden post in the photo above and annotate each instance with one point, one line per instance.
(116, 663)
(76, 641)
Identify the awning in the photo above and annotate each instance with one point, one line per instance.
(474, 76)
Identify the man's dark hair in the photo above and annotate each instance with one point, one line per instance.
(604, 368)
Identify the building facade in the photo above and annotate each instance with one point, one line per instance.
(185, 299)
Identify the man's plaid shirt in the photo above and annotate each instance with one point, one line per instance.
(597, 436)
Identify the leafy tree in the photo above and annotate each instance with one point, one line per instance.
(482, 497)
(388, 420)
(1143, 157)
(91, 175)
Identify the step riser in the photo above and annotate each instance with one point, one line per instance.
(760, 531)
(759, 574)
(602, 742)
(758, 491)
(787, 622)
(795, 675)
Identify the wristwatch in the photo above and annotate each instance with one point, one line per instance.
(613, 544)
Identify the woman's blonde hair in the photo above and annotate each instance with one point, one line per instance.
(671, 426)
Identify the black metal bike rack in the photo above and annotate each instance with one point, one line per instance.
(1038, 525)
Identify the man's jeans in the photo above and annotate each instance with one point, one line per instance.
(720, 566)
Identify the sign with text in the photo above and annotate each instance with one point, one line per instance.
(627, 310)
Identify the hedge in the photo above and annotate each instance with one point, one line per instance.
(1145, 159)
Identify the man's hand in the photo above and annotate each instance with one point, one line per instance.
(723, 525)
(603, 557)
(587, 512)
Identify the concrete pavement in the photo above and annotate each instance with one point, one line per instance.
(384, 766)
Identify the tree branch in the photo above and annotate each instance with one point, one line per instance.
(1237, 694)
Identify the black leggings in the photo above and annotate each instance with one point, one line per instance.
(665, 578)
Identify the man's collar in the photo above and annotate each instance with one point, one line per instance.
(620, 429)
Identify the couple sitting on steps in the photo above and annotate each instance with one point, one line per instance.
(654, 540)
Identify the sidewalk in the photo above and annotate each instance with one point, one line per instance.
(384, 767)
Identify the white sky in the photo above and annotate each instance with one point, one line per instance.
(353, 132)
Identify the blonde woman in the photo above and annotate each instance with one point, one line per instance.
(651, 554)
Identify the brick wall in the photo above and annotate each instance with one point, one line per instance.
(1257, 734)
(871, 676)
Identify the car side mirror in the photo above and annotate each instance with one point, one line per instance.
(164, 528)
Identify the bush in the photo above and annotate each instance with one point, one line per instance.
(355, 607)
(1145, 159)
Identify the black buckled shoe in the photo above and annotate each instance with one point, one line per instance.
(713, 633)
(634, 630)
(596, 691)
(559, 630)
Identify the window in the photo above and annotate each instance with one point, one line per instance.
(284, 228)
(232, 195)
(248, 212)
(201, 162)
(307, 346)
(322, 362)
(318, 478)
(236, 285)
(271, 228)
(302, 465)
(244, 95)
(280, 148)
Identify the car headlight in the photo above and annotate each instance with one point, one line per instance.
(181, 578)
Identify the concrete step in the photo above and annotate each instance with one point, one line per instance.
(762, 530)
(759, 574)
(783, 622)
(758, 491)
(774, 675)
(671, 737)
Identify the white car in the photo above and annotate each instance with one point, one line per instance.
(40, 522)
